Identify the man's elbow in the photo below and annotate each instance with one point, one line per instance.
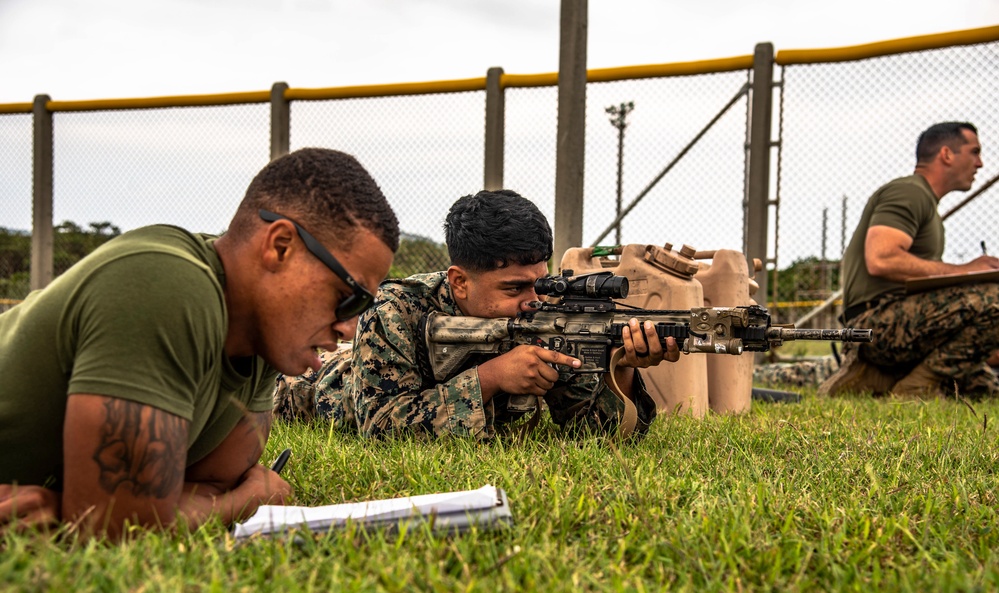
(874, 271)
(878, 267)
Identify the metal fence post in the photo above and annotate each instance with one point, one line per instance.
(42, 233)
(495, 126)
(571, 134)
(758, 185)
(280, 121)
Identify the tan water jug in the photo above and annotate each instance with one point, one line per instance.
(726, 283)
(658, 278)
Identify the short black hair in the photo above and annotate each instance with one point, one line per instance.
(493, 229)
(935, 137)
(327, 191)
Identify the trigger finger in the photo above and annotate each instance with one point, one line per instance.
(564, 359)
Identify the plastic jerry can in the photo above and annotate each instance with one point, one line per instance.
(658, 278)
(726, 283)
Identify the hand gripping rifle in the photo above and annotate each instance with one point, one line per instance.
(582, 320)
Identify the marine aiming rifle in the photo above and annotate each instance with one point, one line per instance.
(582, 319)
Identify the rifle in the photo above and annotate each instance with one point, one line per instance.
(584, 321)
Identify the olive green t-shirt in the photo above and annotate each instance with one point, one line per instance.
(907, 204)
(142, 318)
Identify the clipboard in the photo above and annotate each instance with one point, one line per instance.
(451, 512)
(915, 285)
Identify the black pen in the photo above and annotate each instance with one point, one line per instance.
(983, 248)
(281, 460)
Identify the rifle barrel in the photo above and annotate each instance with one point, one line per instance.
(839, 335)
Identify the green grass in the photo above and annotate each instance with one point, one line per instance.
(796, 349)
(846, 494)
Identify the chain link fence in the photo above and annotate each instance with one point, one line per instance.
(119, 170)
(425, 151)
(182, 166)
(842, 130)
(697, 202)
(15, 208)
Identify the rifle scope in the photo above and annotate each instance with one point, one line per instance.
(601, 285)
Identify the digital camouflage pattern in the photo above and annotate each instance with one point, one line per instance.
(805, 373)
(952, 329)
(389, 386)
(318, 394)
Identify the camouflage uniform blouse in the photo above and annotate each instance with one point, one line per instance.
(384, 383)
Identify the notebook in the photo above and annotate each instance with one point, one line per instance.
(487, 508)
(930, 282)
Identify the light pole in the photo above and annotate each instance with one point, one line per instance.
(619, 119)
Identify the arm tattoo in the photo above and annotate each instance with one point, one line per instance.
(141, 447)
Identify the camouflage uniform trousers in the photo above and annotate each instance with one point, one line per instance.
(953, 330)
(318, 395)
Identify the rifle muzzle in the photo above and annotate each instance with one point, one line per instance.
(784, 334)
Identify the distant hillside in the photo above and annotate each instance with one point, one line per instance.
(418, 254)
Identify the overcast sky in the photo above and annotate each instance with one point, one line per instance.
(89, 49)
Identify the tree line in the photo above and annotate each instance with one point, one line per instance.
(71, 242)
(799, 281)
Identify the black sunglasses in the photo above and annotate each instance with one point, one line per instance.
(355, 303)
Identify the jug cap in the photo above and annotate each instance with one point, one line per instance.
(680, 262)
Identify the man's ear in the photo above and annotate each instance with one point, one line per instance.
(458, 278)
(277, 244)
(946, 154)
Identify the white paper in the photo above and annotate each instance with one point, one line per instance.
(273, 518)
